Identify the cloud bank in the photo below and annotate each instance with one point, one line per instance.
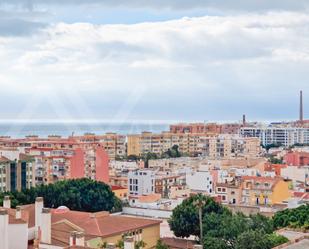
(212, 67)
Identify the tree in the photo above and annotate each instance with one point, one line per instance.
(149, 156)
(133, 158)
(214, 243)
(184, 221)
(161, 245)
(253, 239)
(261, 222)
(221, 228)
(172, 152)
(297, 217)
(274, 160)
(276, 240)
(78, 194)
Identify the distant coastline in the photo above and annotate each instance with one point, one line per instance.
(20, 129)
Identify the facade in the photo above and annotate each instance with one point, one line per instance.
(280, 135)
(229, 192)
(141, 182)
(200, 181)
(194, 144)
(16, 175)
(164, 184)
(264, 190)
(56, 158)
(296, 158)
(120, 192)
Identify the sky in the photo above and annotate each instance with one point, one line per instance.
(120, 60)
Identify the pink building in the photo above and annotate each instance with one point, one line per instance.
(96, 169)
(297, 158)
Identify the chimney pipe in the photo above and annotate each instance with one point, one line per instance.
(18, 212)
(110, 246)
(4, 227)
(301, 111)
(7, 202)
(46, 226)
(80, 239)
(129, 243)
(39, 204)
(244, 120)
(73, 238)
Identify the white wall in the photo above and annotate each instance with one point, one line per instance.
(145, 182)
(295, 174)
(200, 181)
(154, 213)
(18, 236)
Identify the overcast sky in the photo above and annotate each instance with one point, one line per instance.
(153, 60)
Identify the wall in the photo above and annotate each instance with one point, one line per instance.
(150, 235)
(155, 213)
(18, 236)
(201, 181)
(280, 192)
(102, 161)
(77, 164)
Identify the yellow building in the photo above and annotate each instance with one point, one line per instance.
(120, 192)
(133, 145)
(101, 228)
(264, 190)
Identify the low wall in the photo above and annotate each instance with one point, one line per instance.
(154, 213)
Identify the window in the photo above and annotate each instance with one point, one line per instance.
(219, 189)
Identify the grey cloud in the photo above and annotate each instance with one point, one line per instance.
(18, 27)
(252, 5)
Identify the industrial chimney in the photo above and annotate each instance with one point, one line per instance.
(244, 120)
(301, 111)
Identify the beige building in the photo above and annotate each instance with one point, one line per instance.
(213, 146)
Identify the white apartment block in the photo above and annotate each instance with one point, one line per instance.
(141, 182)
(285, 136)
(200, 181)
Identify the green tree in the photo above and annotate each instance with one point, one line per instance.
(161, 245)
(259, 221)
(276, 240)
(184, 221)
(78, 194)
(253, 240)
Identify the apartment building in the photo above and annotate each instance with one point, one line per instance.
(281, 135)
(141, 182)
(229, 192)
(208, 128)
(114, 144)
(200, 181)
(258, 190)
(56, 158)
(193, 144)
(16, 172)
(164, 182)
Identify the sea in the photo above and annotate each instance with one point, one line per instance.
(20, 129)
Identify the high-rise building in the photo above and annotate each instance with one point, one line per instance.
(16, 173)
